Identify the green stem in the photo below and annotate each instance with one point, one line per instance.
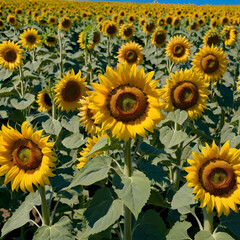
(128, 172)
(109, 51)
(21, 80)
(60, 52)
(53, 110)
(45, 212)
(208, 221)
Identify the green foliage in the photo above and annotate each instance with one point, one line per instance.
(103, 211)
(179, 231)
(134, 191)
(22, 215)
(95, 170)
(60, 230)
(23, 103)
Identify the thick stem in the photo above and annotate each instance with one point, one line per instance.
(109, 51)
(53, 110)
(128, 172)
(45, 212)
(21, 80)
(208, 221)
(60, 52)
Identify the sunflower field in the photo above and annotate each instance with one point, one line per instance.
(119, 121)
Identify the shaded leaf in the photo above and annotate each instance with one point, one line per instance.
(74, 141)
(179, 231)
(134, 191)
(23, 103)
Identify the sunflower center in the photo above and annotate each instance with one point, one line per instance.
(66, 23)
(178, 50)
(26, 154)
(160, 38)
(90, 114)
(217, 177)
(71, 92)
(47, 99)
(12, 20)
(184, 95)
(111, 29)
(51, 39)
(127, 103)
(31, 38)
(96, 37)
(1, 23)
(210, 63)
(10, 55)
(214, 39)
(150, 27)
(127, 32)
(131, 56)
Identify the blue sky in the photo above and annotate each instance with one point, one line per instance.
(197, 2)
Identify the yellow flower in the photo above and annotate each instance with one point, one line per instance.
(210, 63)
(44, 101)
(178, 49)
(211, 37)
(11, 19)
(149, 26)
(131, 53)
(159, 37)
(186, 91)
(2, 25)
(30, 39)
(89, 145)
(126, 31)
(86, 116)
(215, 177)
(126, 102)
(10, 55)
(65, 23)
(69, 91)
(50, 41)
(109, 28)
(230, 35)
(26, 159)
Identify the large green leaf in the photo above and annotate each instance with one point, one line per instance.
(103, 211)
(95, 170)
(222, 236)
(150, 226)
(179, 231)
(204, 235)
(52, 126)
(171, 138)
(182, 199)
(60, 230)
(22, 215)
(179, 116)
(157, 199)
(134, 190)
(74, 141)
(149, 149)
(100, 145)
(23, 103)
(72, 124)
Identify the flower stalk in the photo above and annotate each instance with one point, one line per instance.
(208, 220)
(45, 212)
(128, 172)
(60, 52)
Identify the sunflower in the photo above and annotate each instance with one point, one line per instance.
(10, 55)
(176, 22)
(211, 37)
(86, 117)
(25, 158)
(69, 91)
(126, 101)
(52, 20)
(50, 41)
(89, 145)
(230, 35)
(131, 53)
(159, 37)
(2, 25)
(80, 40)
(126, 31)
(131, 18)
(161, 22)
(11, 19)
(44, 101)
(149, 26)
(210, 62)
(186, 91)
(178, 49)
(30, 39)
(215, 177)
(65, 23)
(224, 20)
(100, 18)
(110, 28)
